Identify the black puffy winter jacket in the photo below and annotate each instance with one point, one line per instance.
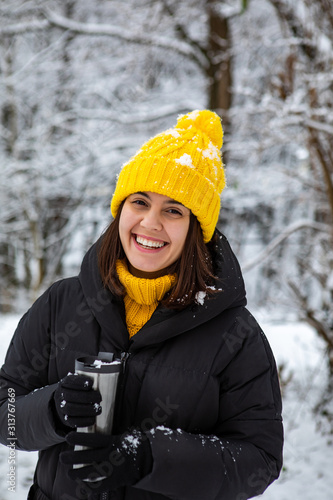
(204, 378)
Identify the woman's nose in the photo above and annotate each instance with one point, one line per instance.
(152, 220)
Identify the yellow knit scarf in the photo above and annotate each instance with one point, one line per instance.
(142, 296)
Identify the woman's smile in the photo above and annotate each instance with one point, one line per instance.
(148, 243)
(153, 229)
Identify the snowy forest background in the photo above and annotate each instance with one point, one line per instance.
(84, 84)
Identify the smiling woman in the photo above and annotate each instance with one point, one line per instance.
(198, 410)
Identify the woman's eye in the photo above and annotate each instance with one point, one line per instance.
(139, 202)
(174, 211)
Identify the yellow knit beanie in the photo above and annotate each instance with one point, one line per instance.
(183, 163)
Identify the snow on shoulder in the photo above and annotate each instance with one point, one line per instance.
(200, 298)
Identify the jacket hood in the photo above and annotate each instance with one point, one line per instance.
(165, 323)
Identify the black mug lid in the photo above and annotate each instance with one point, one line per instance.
(97, 364)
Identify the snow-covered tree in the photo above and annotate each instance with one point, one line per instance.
(309, 27)
(82, 85)
(281, 154)
(306, 90)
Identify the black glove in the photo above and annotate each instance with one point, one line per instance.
(110, 461)
(76, 403)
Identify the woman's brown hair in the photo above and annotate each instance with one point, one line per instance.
(194, 268)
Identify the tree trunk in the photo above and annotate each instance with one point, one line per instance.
(9, 110)
(219, 71)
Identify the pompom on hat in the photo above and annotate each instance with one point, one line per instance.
(183, 163)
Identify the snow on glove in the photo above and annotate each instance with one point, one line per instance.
(120, 460)
(76, 403)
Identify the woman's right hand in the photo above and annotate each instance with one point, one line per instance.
(76, 403)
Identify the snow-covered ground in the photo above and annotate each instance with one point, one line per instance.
(308, 456)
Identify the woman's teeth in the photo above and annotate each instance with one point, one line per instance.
(149, 243)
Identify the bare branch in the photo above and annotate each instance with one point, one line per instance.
(321, 127)
(296, 226)
(162, 112)
(53, 19)
(16, 29)
(309, 316)
(287, 14)
(177, 46)
(182, 31)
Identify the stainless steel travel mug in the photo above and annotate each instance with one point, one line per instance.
(104, 372)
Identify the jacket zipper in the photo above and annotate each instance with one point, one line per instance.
(123, 358)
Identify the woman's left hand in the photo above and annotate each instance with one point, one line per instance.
(109, 462)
